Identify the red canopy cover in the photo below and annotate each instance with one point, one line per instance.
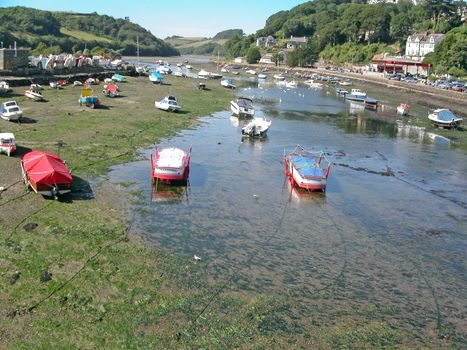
(45, 168)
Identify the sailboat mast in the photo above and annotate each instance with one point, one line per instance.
(137, 47)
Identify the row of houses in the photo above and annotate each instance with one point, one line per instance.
(292, 43)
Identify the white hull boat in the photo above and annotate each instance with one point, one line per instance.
(262, 76)
(311, 83)
(291, 84)
(7, 143)
(242, 107)
(34, 95)
(279, 77)
(227, 83)
(258, 127)
(10, 111)
(445, 118)
(168, 103)
(403, 109)
(170, 164)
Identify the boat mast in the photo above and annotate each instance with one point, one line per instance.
(217, 68)
(137, 48)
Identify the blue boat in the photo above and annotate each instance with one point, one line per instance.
(156, 77)
(356, 95)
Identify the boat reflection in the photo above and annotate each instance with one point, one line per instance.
(301, 196)
(169, 194)
(419, 134)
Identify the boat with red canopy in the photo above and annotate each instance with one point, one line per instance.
(46, 173)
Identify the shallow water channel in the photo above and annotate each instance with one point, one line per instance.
(387, 240)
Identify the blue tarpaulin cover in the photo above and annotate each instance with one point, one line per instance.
(307, 166)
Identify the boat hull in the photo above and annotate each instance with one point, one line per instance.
(241, 112)
(310, 184)
(170, 170)
(33, 95)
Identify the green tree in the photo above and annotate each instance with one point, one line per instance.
(253, 55)
(75, 48)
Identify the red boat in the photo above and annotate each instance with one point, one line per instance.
(110, 90)
(46, 173)
(170, 164)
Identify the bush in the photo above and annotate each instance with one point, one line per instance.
(253, 55)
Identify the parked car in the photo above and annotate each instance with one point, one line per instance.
(458, 87)
(411, 80)
(394, 77)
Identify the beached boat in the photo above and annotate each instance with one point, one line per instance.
(118, 78)
(251, 71)
(36, 87)
(356, 95)
(110, 90)
(279, 77)
(215, 75)
(258, 127)
(242, 107)
(10, 111)
(46, 173)
(403, 109)
(306, 169)
(34, 95)
(203, 74)
(225, 70)
(179, 73)
(188, 66)
(91, 81)
(4, 87)
(445, 118)
(345, 83)
(168, 103)
(88, 99)
(290, 84)
(313, 84)
(262, 76)
(55, 85)
(228, 83)
(156, 78)
(7, 143)
(170, 164)
(77, 83)
(370, 103)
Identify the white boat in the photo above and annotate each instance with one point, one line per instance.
(55, 85)
(7, 143)
(291, 84)
(156, 78)
(262, 76)
(445, 118)
(215, 76)
(356, 95)
(345, 83)
(403, 109)
(258, 127)
(188, 66)
(228, 83)
(279, 77)
(225, 70)
(311, 83)
(168, 103)
(4, 87)
(179, 74)
(34, 95)
(242, 107)
(35, 87)
(10, 111)
(251, 71)
(203, 74)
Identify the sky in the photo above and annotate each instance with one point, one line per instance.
(189, 18)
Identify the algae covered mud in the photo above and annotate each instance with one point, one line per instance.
(381, 254)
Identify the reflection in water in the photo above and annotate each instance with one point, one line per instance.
(388, 235)
(169, 193)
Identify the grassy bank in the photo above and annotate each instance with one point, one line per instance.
(73, 277)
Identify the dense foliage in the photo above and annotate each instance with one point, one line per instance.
(253, 55)
(41, 30)
(351, 30)
(228, 34)
(450, 56)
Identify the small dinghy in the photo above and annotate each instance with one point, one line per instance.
(168, 103)
(88, 99)
(34, 95)
(170, 164)
(258, 127)
(7, 143)
(110, 90)
(228, 83)
(403, 109)
(46, 173)
(306, 169)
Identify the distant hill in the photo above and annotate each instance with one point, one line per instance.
(69, 32)
(228, 34)
(197, 46)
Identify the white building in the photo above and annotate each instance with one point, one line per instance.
(266, 59)
(265, 41)
(239, 59)
(419, 45)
